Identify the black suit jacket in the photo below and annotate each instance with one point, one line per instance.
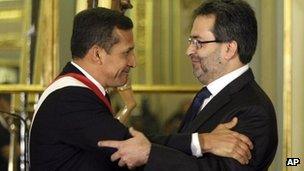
(242, 98)
(67, 128)
(4, 141)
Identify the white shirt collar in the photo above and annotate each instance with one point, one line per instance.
(217, 85)
(100, 87)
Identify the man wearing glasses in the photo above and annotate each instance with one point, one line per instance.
(222, 42)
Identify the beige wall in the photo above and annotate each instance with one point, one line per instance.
(298, 81)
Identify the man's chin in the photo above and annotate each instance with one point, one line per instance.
(200, 77)
(197, 74)
(122, 82)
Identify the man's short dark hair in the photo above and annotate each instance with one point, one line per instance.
(235, 21)
(95, 27)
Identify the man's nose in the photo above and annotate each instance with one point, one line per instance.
(190, 50)
(132, 61)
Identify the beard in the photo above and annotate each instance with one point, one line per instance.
(208, 68)
(201, 73)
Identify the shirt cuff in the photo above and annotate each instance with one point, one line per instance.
(195, 146)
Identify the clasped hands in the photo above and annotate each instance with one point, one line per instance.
(222, 141)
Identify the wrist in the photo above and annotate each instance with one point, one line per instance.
(147, 153)
(204, 142)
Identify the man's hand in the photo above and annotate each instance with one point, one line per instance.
(133, 152)
(226, 143)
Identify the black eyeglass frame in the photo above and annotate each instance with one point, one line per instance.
(199, 44)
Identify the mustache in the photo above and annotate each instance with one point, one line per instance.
(195, 58)
(127, 70)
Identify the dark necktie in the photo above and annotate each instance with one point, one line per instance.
(195, 107)
(203, 94)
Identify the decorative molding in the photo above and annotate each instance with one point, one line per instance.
(5, 62)
(47, 49)
(287, 83)
(10, 41)
(12, 14)
(36, 88)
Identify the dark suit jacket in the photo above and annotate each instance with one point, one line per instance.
(242, 98)
(4, 141)
(67, 128)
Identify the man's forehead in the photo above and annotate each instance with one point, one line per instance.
(125, 39)
(202, 26)
(127, 34)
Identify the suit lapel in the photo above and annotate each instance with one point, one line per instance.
(209, 110)
(186, 120)
(219, 101)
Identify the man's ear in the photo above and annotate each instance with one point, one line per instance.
(230, 50)
(97, 54)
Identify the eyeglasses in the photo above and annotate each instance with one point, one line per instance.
(199, 44)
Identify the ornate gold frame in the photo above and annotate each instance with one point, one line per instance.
(287, 84)
(36, 88)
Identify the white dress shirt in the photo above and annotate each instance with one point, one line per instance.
(215, 87)
(99, 86)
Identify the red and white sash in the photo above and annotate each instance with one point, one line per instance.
(70, 79)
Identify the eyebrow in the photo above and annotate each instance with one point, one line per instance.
(195, 37)
(130, 49)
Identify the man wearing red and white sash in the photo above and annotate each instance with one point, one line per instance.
(74, 113)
